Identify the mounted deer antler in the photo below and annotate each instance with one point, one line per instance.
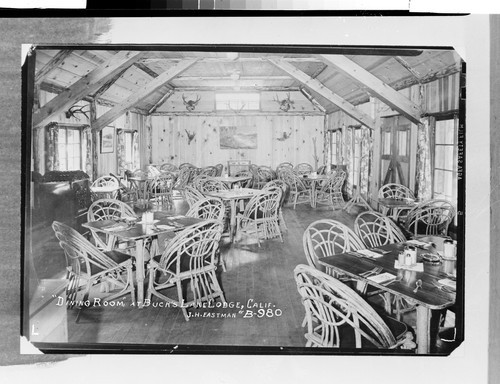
(191, 104)
(285, 104)
(73, 110)
(190, 136)
(236, 110)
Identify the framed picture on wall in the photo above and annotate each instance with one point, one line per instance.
(108, 140)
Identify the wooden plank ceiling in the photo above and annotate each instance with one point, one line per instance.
(142, 81)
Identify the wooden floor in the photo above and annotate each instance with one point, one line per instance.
(255, 278)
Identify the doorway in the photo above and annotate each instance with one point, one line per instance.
(395, 158)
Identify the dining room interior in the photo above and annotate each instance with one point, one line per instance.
(231, 199)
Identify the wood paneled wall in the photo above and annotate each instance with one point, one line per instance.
(279, 139)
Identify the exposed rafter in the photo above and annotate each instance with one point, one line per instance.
(313, 101)
(141, 93)
(144, 68)
(101, 91)
(85, 86)
(375, 86)
(160, 102)
(408, 67)
(53, 63)
(327, 93)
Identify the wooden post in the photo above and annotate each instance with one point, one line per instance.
(95, 149)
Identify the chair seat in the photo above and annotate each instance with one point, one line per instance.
(115, 255)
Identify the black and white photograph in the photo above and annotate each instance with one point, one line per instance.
(343, 231)
(310, 198)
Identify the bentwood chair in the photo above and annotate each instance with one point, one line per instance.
(330, 192)
(299, 193)
(375, 229)
(284, 195)
(328, 237)
(337, 317)
(209, 171)
(183, 178)
(211, 185)
(261, 215)
(168, 167)
(192, 195)
(126, 193)
(430, 218)
(105, 181)
(107, 209)
(220, 168)
(189, 260)
(198, 181)
(264, 175)
(303, 169)
(394, 191)
(208, 208)
(248, 183)
(87, 266)
(160, 188)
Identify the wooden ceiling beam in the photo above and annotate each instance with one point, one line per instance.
(160, 102)
(53, 63)
(375, 87)
(327, 93)
(140, 94)
(85, 86)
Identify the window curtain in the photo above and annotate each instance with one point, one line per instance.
(135, 150)
(120, 152)
(52, 146)
(366, 151)
(349, 137)
(424, 161)
(87, 142)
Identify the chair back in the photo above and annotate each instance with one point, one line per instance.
(219, 167)
(212, 185)
(209, 171)
(395, 191)
(375, 229)
(168, 167)
(208, 208)
(193, 248)
(108, 209)
(264, 205)
(105, 181)
(331, 306)
(327, 238)
(280, 184)
(430, 218)
(140, 174)
(183, 177)
(186, 165)
(80, 254)
(303, 169)
(265, 174)
(192, 195)
(162, 184)
(249, 182)
(294, 182)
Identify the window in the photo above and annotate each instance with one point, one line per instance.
(70, 149)
(129, 149)
(237, 101)
(334, 144)
(445, 160)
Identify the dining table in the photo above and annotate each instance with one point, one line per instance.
(233, 196)
(314, 181)
(396, 205)
(140, 232)
(426, 285)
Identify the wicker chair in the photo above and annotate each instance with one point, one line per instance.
(249, 182)
(126, 194)
(160, 189)
(189, 259)
(430, 218)
(211, 185)
(209, 171)
(394, 191)
(337, 317)
(326, 238)
(330, 192)
(261, 215)
(303, 169)
(186, 165)
(183, 178)
(168, 167)
(208, 208)
(284, 195)
(220, 169)
(107, 209)
(299, 193)
(105, 181)
(264, 175)
(192, 195)
(375, 229)
(86, 266)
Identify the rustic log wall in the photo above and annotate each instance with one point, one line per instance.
(196, 139)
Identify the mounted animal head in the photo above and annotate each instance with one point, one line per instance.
(285, 104)
(191, 104)
(74, 110)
